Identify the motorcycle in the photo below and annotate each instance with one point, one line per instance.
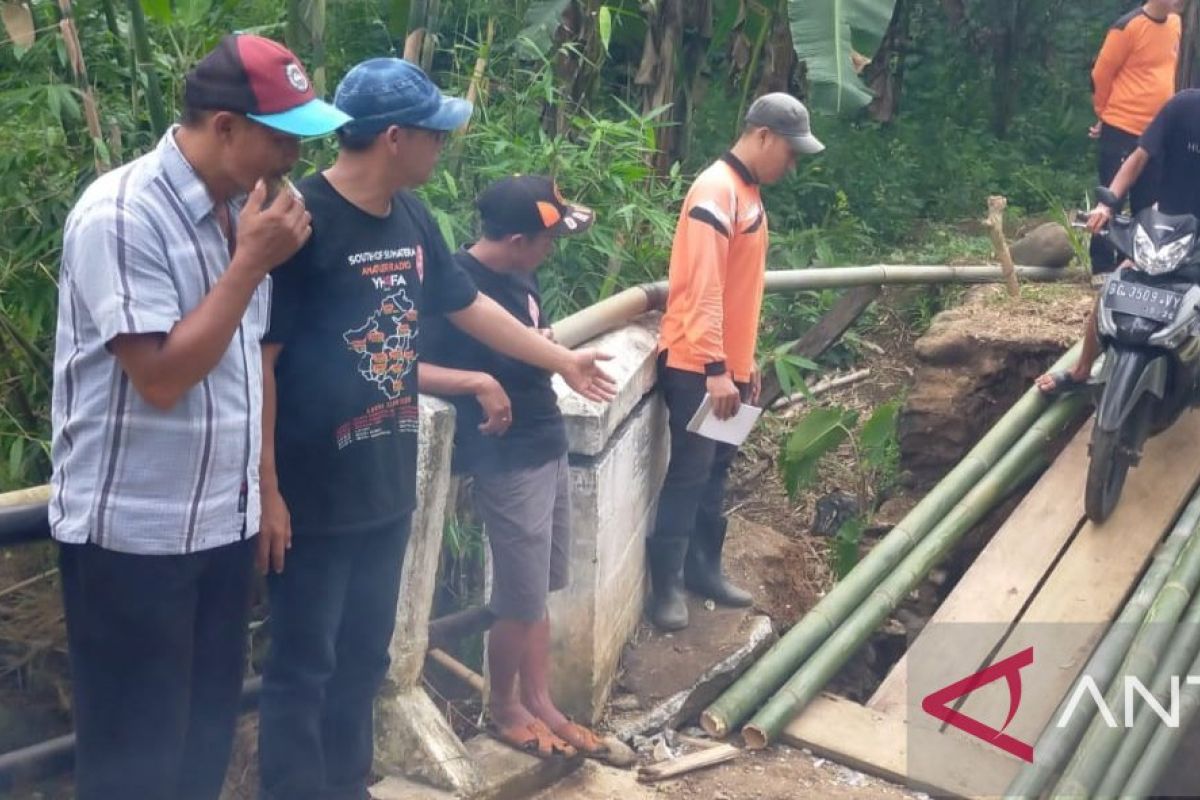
(1150, 334)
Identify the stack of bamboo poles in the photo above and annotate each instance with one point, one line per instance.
(1156, 638)
(800, 665)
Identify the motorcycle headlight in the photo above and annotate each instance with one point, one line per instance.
(1158, 260)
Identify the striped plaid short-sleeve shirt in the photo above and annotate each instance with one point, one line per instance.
(142, 248)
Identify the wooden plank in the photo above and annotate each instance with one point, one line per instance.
(820, 337)
(689, 763)
(877, 743)
(854, 735)
(1084, 592)
(1004, 576)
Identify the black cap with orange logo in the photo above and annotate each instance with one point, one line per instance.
(527, 204)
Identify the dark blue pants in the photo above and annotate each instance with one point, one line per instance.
(333, 609)
(693, 491)
(158, 649)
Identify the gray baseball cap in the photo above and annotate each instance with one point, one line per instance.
(783, 114)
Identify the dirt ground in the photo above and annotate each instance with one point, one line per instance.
(773, 774)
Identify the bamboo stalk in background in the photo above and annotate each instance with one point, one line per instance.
(781, 661)
(475, 90)
(144, 63)
(114, 28)
(1056, 744)
(1087, 767)
(886, 594)
(995, 223)
(91, 114)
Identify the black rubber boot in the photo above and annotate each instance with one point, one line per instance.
(702, 567)
(668, 603)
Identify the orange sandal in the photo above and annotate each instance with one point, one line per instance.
(582, 739)
(534, 738)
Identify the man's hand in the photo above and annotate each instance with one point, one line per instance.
(724, 393)
(547, 334)
(1098, 217)
(584, 375)
(275, 535)
(266, 237)
(755, 385)
(497, 408)
(1094, 131)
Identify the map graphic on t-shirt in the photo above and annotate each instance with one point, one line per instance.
(384, 343)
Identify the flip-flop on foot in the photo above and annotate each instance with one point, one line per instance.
(533, 738)
(582, 739)
(1064, 383)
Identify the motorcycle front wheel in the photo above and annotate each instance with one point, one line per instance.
(1107, 469)
(1112, 454)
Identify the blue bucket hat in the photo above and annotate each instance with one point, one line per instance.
(381, 92)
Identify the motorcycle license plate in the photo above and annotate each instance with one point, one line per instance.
(1160, 305)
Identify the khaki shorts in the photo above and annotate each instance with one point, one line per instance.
(526, 515)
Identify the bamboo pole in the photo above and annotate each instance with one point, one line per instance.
(888, 592)
(995, 223)
(456, 668)
(781, 661)
(1179, 653)
(617, 310)
(1056, 744)
(1163, 744)
(1087, 767)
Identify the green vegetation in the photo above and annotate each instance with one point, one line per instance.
(624, 101)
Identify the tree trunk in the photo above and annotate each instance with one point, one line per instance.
(1188, 73)
(885, 74)
(576, 67)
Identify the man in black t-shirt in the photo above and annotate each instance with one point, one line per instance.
(520, 474)
(1173, 143)
(340, 423)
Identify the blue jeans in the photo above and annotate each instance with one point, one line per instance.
(333, 609)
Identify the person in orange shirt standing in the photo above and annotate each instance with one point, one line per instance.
(706, 346)
(1133, 77)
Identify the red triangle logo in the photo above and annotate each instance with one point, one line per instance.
(937, 704)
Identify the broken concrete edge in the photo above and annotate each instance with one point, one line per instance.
(634, 348)
(686, 705)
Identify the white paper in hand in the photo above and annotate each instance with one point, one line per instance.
(731, 431)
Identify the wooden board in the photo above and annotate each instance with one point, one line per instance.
(1004, 576)
(1089, 585)
(820, 337)
(874, 742)
(1042, 569)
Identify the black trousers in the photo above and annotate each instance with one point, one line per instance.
(1117, 145)
(157, 647)
(333, 610)
(693, 491)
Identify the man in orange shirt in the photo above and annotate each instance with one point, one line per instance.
(1133, 77)
(706, 346)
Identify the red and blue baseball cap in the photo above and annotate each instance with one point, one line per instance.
(382, 92)
(264, 80)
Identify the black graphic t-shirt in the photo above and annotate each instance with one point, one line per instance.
(1173, 140)
(537, 433)
(346, 309)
